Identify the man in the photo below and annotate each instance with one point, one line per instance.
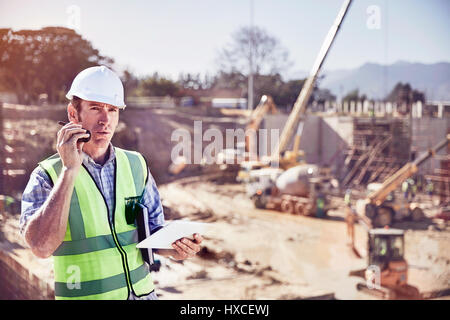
(405, 189)
(74, 204)
(413, 190)
(429, 188)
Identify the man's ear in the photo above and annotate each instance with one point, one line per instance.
(72, 113)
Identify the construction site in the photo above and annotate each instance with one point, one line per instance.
(347, 201)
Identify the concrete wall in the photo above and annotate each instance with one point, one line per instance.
(325, 139)
(18, 282)
(427, 132)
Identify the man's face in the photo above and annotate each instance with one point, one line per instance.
(101, 120)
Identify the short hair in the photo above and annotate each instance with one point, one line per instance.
(76, 102)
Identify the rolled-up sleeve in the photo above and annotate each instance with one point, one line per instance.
(36, 192)
(152, 201)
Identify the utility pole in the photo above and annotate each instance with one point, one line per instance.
(250, 74)
(386, 44)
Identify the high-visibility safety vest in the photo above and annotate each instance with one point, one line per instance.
(98, 259)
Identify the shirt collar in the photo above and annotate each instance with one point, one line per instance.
(87, 160)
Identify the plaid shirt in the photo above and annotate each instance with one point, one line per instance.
(39, 187)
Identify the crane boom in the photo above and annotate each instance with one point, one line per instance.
(377, 197)
(305, 93)
(265, 105)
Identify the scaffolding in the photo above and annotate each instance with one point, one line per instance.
(380, 147)
(441, 178)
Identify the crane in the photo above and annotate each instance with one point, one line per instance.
(300, 105)
(378, 210)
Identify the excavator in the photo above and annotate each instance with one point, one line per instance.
(387, 272)
(254, 121)
(265, 105)
(386, 275)
(381, 207)
(230, 159)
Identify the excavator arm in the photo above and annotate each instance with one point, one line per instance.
(265, 105)
(377, 197)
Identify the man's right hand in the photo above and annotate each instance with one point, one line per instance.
(68, 146)
(47, 227)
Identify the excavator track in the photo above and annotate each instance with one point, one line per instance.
(380, 292)
(405, 292)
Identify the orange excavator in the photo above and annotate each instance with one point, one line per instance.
(387, 272)
(386, 275)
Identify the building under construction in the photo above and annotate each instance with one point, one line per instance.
(380, 147)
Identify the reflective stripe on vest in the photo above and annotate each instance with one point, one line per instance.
(320, 203)
(99, 259)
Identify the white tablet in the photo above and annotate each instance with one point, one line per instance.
(171, 232)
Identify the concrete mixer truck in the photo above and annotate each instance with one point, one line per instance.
(300, 190)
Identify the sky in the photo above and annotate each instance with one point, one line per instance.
(174, 36)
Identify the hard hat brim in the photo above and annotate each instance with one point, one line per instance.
(96, 98)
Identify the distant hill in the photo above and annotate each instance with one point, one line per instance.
(370, 78)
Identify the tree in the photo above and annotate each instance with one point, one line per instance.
(44, 61)
(157, 85)
(130, 82)
(269, 85)
(229, 80)
(323, 95)
(191, 81)
(253, 44)
(403, 93)
(354, 96)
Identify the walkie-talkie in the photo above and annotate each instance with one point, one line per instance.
(62, 123)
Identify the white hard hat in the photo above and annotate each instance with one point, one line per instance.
(98, 84)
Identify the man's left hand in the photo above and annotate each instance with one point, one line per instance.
(186, 248)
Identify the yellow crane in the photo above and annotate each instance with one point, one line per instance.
(300, 104)
(380, 210)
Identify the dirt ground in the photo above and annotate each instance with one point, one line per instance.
(250, 253)
(263, 254)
